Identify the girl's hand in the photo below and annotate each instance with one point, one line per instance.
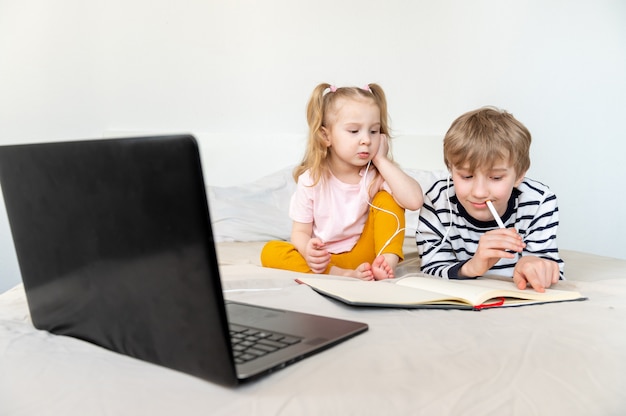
(404, 189)
(316, 255)
(383, 149)
(493, 246)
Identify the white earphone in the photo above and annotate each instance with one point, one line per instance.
(398, 229)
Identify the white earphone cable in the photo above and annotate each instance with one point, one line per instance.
(398, 229)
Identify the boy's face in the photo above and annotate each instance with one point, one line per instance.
(473, 189)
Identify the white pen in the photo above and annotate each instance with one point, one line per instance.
(495, 214)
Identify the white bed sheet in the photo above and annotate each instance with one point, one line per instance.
(567, 358)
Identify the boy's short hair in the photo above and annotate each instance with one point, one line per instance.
(482, 137)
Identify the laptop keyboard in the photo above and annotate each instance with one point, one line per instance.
(251, 343)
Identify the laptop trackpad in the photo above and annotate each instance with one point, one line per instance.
(251, 315)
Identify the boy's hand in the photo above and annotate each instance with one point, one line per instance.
(539, 273)
(317, 257)
(493, 246)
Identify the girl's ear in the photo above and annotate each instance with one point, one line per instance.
(325, 136)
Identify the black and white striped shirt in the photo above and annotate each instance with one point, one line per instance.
(447, 236)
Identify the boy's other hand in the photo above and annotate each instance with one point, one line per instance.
(539, 273)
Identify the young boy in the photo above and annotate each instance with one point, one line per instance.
(487, 154)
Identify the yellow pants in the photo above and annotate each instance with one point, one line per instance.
(379, 228)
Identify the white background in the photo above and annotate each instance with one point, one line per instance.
(243, 70)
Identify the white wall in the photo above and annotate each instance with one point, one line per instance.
(73, 69)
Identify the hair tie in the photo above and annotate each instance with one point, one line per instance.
(332, 88)
(367, 88)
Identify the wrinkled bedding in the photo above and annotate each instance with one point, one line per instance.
(553, 359)
(567, 358)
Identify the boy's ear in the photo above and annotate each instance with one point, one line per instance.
(520, 179)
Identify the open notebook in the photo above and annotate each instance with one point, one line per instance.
(430, 292)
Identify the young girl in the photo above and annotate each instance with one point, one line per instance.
(348, 208)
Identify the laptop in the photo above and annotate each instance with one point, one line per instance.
(114, 243)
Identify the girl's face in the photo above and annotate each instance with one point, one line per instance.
(473, 189)
(352, 134)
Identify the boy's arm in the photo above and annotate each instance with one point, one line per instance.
(437, 254)
(540, 265)
(540, 235)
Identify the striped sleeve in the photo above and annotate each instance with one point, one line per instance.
(435, 222)
(538, 221)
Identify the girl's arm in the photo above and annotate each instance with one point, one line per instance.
(300, 235)
(311, 248)
(405, 190)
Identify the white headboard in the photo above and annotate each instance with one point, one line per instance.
(419, 152)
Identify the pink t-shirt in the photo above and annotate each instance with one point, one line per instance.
(337, 210)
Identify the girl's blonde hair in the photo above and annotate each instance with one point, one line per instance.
(321, 103)
(481, 138)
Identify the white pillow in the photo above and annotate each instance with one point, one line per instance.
(257, 211)
(426, 179)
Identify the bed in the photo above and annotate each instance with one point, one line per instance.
(565, 358)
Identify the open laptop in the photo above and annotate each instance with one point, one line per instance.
(114, 243)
